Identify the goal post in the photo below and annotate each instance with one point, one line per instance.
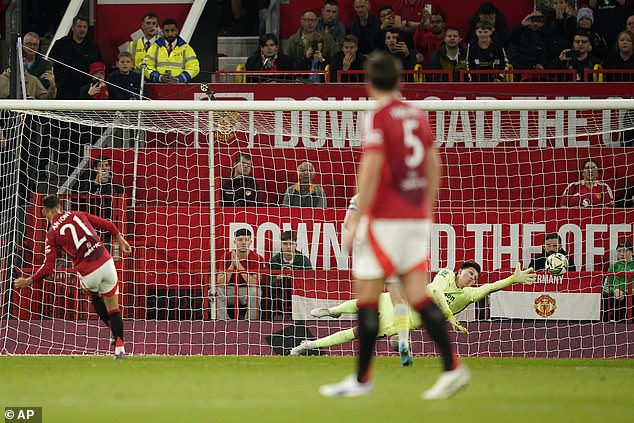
(506, 164)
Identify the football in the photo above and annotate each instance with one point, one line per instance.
(556, 264)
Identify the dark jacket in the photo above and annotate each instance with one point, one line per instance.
(539, 262)
(76, 56)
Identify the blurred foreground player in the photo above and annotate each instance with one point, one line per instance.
(74, 232)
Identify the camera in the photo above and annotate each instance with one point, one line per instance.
(572, 54)
(314, 44)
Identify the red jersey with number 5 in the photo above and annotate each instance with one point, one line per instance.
(402, 133)
(74, 232)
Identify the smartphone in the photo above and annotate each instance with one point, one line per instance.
(571, 54)
(314, 45)
(427, 8)
(168, 72)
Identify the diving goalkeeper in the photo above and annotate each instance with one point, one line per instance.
(451, 291)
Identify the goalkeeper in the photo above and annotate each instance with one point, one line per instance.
(451, 291)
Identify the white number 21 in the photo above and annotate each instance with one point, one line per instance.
(78, 241)
(411, 140)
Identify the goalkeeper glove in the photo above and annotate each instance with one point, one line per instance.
(527, 276)
(456, 325)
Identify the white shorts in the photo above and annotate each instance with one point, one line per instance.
(101, 281)
(389, 247)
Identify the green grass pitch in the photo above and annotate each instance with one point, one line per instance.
(284, 389)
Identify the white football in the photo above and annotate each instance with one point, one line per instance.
(556, 264)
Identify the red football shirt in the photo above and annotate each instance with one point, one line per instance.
(403, 135)
(74, 232)
(577, 194)
(252, 264)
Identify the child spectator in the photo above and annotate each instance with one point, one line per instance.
(616, 288)
(125, 82)
(97, 88)
(485, 54)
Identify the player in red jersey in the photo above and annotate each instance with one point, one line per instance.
(74, 232)
(397, 187)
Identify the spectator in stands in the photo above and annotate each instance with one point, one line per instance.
(97, 88)
(560, 30)
(314, 59)
(609, 19)
(528, 44)
(171, 59)
(585, 20)
(347, 59)
(139, 48)
(329, 22)
(427, 41)
(486, 54)
(268, 58)
(622, 57)
(450, 56)
(239, 269)
(299, 44)
(365, 27)
(616, 287)
(398, 48)
(35, 63)
(34, 87)
(552, 245)
(412, 12)
(629, 23)
(241, 190)
(281, 285)
(589, 191)
(125, 82)
(393, 23)
(101, 181)
(305, 193)
(487, 12)
(72, 56)
(578, 58)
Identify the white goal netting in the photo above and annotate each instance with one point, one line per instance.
(506, 165)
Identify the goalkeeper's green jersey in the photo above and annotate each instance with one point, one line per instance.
(459, 298)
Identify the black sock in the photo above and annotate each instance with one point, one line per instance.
(436, 326)
(368, 317)
(116, 324)
(100, 309)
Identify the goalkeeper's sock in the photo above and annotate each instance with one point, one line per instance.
(401, 323)
(347, 307)
(336, 338)
(436, 325)
(368, 328)
(116, 324)
(100, 309)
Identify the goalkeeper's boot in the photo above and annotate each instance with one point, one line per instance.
(301, 348)
(120, 356)
(406, 356)
(349, 387)
(449, 383)
(323, 312)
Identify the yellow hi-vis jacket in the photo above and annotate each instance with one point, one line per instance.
(182, 62)
(138, 52)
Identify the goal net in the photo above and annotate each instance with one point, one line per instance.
(167, 185)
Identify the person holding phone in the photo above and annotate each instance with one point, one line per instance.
(577, 58)
(97, 88)
(397, 47)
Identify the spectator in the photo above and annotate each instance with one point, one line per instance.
(486, 54)
(329, 23)
(34, 87)
(616, 288)
(268, 58)
(125, 82)
(450, 56)
(239, 270)
(426, 42)
(365, 27)
(241, 190)
(398, 48)
(314, 59)
(72, 56)
(552, 245)
(139, 48)
(97, 88)
(560, 30)
(305, 193)
(392, 22)
(303, 41)
(101, 181)
(281, 285)
(412, 12)
(487, 12)
(578, 58)
(609, 19)
(348, 59)
(171, 59)
(35, 63)
(622, 57)
(629, 23)
(528, 44)
(589, 191)
(585, 20)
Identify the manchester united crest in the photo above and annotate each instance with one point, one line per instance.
(545, 305)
